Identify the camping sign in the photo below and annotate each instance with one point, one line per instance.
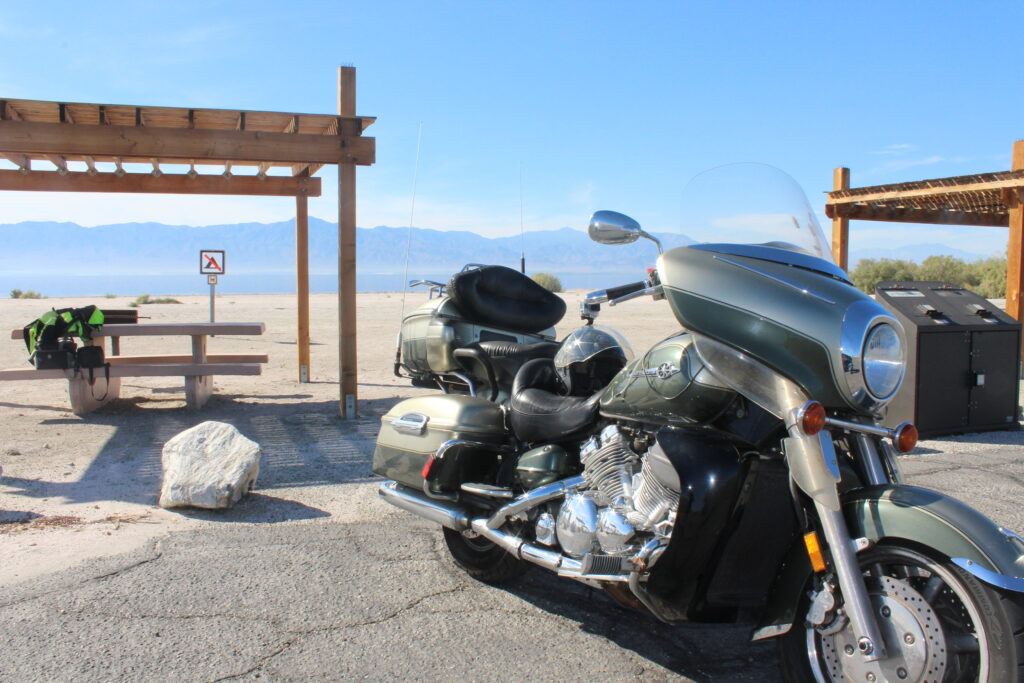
(211, 262)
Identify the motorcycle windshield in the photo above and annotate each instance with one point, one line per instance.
(751, 204)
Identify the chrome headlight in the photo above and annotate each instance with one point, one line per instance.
(884, 360)
(873, 355)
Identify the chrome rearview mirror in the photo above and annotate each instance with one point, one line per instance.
(612, 227)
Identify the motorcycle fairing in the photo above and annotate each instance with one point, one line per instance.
(703, 575)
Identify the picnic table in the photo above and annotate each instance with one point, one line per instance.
(198, 368)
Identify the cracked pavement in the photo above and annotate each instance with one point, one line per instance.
(381, 599)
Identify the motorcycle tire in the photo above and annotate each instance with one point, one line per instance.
(1002, 615)
(483, 560)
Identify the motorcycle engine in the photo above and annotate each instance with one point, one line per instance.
(621, 505)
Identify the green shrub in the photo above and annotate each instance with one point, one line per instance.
(986, 277)
(869, 272)
(26, 294)
(144, 299)
(110, 296)
(547, 281)
(946, 269)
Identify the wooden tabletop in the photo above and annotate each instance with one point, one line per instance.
(171, 330)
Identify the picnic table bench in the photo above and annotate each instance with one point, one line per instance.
(198, 368)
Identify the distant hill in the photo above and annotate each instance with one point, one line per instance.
(155, 248)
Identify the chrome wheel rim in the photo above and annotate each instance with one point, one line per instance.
(907, 584)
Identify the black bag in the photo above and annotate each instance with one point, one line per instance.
(89, 358)
(59, 355)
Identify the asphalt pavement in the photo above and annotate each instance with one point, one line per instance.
(333, 600)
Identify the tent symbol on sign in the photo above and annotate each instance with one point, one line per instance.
(211, 262)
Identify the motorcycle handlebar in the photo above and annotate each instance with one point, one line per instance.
(622, 290)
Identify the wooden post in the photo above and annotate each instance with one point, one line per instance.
(347, 255)
(1015, 246)
(841, 224)
(302, 283)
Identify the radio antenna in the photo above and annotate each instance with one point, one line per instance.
(412, 212)
(522, 230)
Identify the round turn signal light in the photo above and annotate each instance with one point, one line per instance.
(904, 437)
(811, 418)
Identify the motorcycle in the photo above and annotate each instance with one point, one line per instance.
(739, 470)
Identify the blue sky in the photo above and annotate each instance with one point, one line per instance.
(605, 105)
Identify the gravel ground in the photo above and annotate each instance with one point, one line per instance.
(312, 577)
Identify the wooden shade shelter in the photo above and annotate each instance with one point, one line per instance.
(72, 135)
(985, 199)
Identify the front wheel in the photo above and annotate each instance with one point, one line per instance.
(938, 622)
(482, 559)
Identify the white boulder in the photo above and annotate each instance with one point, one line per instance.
(210, 465)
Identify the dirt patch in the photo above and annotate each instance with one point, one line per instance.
(68, 521)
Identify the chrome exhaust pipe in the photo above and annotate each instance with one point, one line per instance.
(437, 511)
(518, 548)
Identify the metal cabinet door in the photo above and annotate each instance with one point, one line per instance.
(994, 365)
(943, 381)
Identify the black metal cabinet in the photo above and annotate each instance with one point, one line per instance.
(962, 359)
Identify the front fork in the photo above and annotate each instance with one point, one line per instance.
(815, 469)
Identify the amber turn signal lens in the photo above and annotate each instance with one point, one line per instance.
(905, 437)
(814, 552)
(812, 418)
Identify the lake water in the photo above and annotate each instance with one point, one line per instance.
(247, 283)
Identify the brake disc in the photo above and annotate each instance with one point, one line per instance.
(915, 644)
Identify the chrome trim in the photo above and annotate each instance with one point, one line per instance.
(407, 499)
(786, 257)
(411, 423)
(776, 278)
(465, 379)
(868, 456)
(640, 562)
(859, 319)
(533, 498)
(851, 583)
(873, 430)
(487, 491)
(1009, 533)
(1009, 583)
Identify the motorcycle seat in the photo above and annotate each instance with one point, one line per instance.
(508, 357)
(505, 298)
(538, 412)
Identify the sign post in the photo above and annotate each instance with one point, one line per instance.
(211, 264)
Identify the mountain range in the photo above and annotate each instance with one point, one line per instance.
(138, 248)
(66, 258)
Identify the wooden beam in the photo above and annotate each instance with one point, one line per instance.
(347, 364)
(165, 183)
(840, 224)
(1015, 246)
(59, 162)
(302, 285)
(965, 188)
(19, 160)
(182, 143)
(908, 215)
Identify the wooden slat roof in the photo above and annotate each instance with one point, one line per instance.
(80, 114)
(980, 199)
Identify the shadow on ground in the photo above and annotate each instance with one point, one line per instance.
(303, 443)
(703, 652)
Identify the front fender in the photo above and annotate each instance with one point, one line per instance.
(915, 515)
